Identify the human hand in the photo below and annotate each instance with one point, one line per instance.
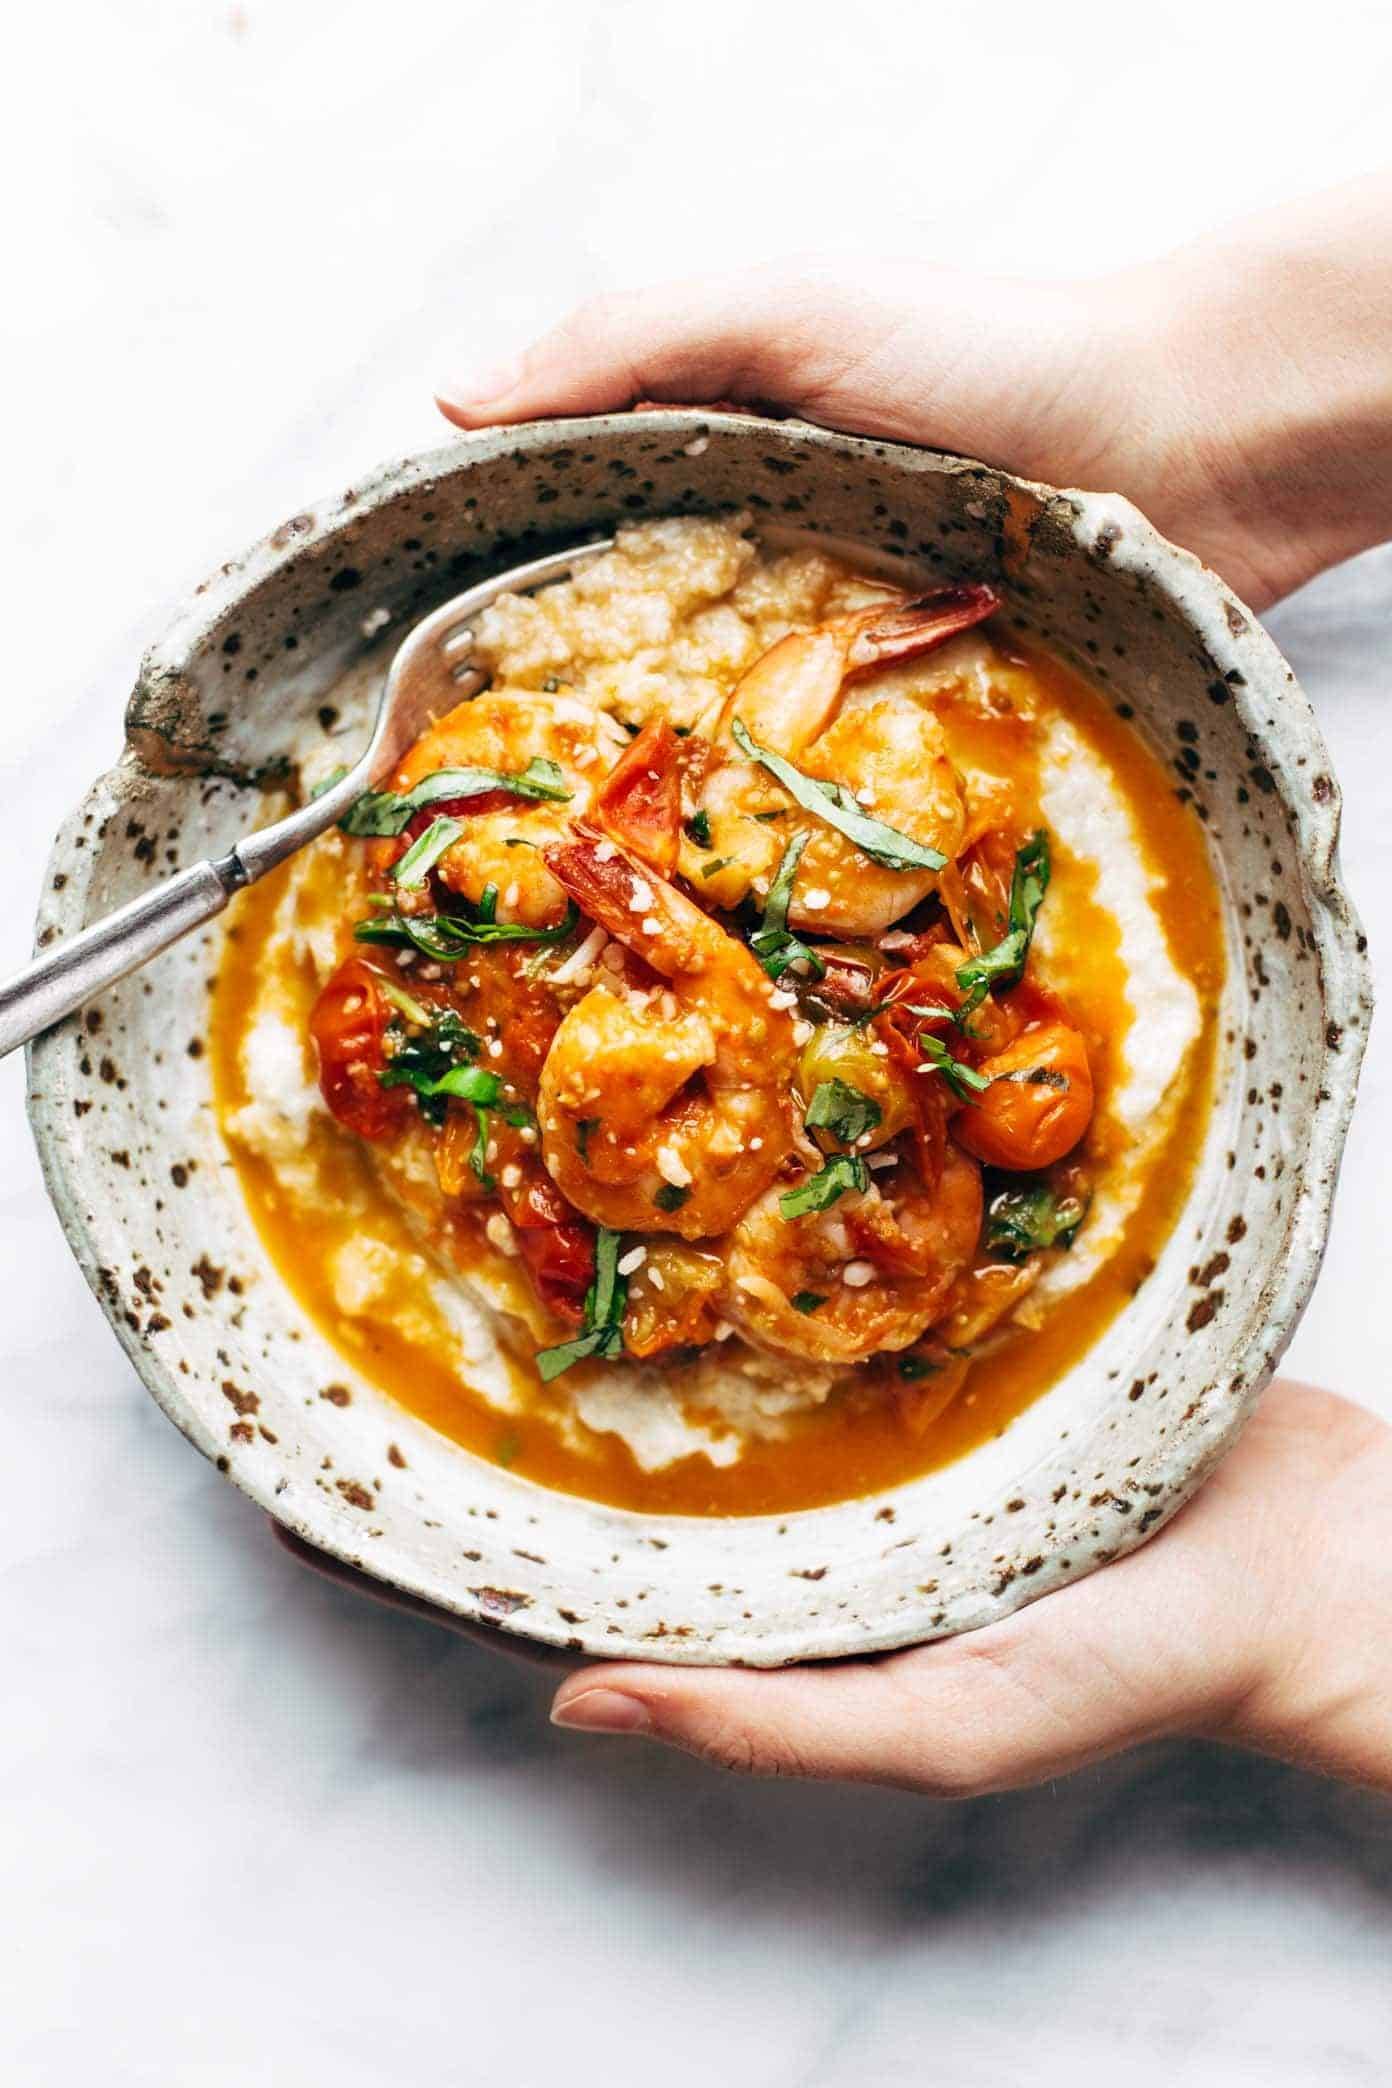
(1238, 392)
(1261, 1615)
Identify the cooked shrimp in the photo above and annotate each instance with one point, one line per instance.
(504, 834)
(887, 749)
(664, 1106)
(879, 1265)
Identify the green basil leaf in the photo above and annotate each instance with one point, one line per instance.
(843, 1110)
(1025, 1217)
(1005, 964)
(671, 1196)
(773, 943)
(698, 828)
(421, 1061)
(445, 938)
(424, 853)
(835, 804)
(385, 813)
(844, 1171)
(602, 1328)
(964, 1081)
(806, 1301)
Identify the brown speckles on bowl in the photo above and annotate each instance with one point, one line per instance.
(119, 1100)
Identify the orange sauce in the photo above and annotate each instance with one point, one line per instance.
(859, 1441)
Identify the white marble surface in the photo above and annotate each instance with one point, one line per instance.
(253, 1830)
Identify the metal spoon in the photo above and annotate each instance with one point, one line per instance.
(428, 676)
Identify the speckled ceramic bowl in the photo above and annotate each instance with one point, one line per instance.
(121, 1107)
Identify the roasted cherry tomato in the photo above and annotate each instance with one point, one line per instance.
(348, 1025)
(1039, 1102)
(555, 1242)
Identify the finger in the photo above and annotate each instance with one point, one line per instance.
(485, 1635)
(797, 341)
(1073, 1678)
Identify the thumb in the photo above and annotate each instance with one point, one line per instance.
(896, 352)
(759, 337)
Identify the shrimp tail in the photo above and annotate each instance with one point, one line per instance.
(639, 802)
(642, 911)
(910, 629)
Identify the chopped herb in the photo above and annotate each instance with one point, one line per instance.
(436, 1067)
(509, 1447)
(585, 1127)
(806, 1301)
(766, 818)
(602, 1328)
(698, 828)
(387, 812)
(1038, 1076)
(844, 1171)
(445, 1045)
(843, 1110)
(406, 1003)
(964, 1081)
(774, 944)
(445, 938)
(424, 853)
(716, 863)
(1027, 1216)
(835, 804)
(334, 777)
(671, 1196)
(1003, 965)
(917, 1366)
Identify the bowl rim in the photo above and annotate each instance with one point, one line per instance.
(1106, 526)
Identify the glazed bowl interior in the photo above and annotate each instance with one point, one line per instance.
(289, 644)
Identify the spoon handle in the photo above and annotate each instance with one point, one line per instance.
(61, 979)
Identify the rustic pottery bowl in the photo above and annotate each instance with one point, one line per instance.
(255, 672)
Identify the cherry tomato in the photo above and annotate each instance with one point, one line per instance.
(1039, 1102)
(348, 1026)
(555, 1242)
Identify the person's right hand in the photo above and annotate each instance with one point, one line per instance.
(1238, 392)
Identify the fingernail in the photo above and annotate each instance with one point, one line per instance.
(478, 387)
(602, 1711)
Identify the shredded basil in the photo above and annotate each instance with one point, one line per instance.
(716, 863)
(602, 1328)
(585, 1127)
(917, 1366)
(422, 1061)
(964, 1081)
(773, 943)
(329, 782)
(424, 853)
(806, 1301)
(843, 1110)
(1003, 965)
(842, 1172)
(698, 828)
(1024, 1217)
(671, 1196)
(386, 813)
(834, 803)
(445, 938)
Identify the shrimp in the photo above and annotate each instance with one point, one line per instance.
(505, 835)
(886, 748)
(665, 1102)
(880, 1265)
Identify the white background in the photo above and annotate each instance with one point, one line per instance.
(254, 1831)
